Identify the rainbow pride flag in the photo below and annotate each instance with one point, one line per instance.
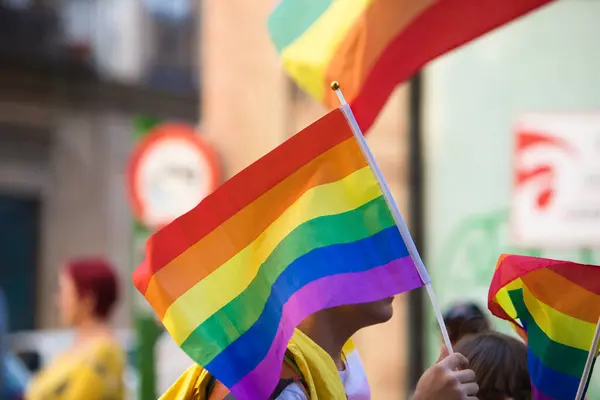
(371, 46)
(304, 228)
(555, 306)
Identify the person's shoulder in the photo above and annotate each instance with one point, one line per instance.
(104, 345)
(106, 351)
(187, 385)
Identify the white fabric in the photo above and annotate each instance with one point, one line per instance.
(354, 379)
(292, 392)
(171, 362)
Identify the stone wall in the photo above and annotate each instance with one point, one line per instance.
(68, 144)
(77, 174)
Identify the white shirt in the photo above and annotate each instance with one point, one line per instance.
(354, 379)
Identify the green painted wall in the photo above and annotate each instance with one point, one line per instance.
(549, 60)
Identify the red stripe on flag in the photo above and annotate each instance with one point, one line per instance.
(443, 27)
(241, 190)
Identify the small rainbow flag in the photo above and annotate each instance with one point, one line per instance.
(557, 305)
(371, 46)
(304, 228)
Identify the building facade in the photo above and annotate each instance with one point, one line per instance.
(66, 135)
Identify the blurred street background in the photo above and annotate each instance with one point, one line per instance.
(83, 82)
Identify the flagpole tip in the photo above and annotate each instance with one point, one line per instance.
(335, 85)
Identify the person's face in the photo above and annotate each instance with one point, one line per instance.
(373, 313)
(72, 308)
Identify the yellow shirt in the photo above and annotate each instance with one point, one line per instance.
(92, 372)
(318, 370)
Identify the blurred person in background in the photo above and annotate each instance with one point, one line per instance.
(93, 367)
(14, 375)
(464, 319)
(500, 364)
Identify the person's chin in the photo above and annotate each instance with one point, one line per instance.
(384, 310)
(387, 314)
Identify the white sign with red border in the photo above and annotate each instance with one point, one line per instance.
(556, 192)
(171, 170)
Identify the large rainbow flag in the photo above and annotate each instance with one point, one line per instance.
(304, 228)
(555, 306)
(371, 46)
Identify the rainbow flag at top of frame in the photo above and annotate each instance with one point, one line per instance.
(304, 228)
(555, 306)
(371, 46)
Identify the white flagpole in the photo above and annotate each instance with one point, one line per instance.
(391, 203)
(587, 370)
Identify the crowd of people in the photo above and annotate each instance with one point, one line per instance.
(485, 365)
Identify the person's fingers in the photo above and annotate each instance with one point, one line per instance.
(472, 398)
(470, 389)
(454, 361)
(465, 376)
(443, 353)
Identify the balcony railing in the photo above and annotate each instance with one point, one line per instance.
(134, 42)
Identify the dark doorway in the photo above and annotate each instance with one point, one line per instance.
(19, 231)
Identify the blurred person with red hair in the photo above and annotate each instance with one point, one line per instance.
(93, 367)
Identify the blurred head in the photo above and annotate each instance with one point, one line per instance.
(87, 289)
(465, 319)
(500, 364)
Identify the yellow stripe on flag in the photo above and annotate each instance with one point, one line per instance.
(503, 298)
(504, 301)
(308, 57)
(212, 293)
(559, 327)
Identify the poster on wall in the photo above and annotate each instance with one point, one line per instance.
(555, 201)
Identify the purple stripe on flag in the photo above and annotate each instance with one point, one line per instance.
(353, 288)
(537, 395)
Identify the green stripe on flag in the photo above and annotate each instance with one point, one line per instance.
(291, 18)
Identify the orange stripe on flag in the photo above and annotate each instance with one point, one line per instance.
(544, 284)
(198, 261)
(364, 43)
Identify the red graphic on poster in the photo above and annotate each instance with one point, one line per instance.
(544, 170)
(555, 199)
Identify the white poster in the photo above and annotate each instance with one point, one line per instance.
(556, 181)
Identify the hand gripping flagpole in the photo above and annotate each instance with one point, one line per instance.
(391, 203)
